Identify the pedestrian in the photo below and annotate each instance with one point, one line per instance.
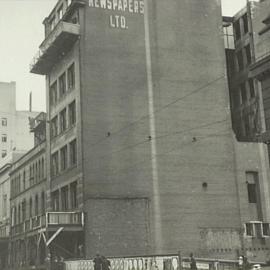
(246, 264)
(240, 262)
(106, 264)
(193, 264)
(97, 262)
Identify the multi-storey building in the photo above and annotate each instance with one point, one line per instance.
(14, 125)
(140, 135)
(260, 68)
(5, 166)
(244, 96)
(28, 188)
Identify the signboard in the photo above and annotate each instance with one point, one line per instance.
(120, 7)
(203, 266)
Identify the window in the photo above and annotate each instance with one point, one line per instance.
(62, 84)
(71, 77)
(4, 205)
(4, 122)
(251, 88)
(31, 175)
(55, 167)
(36, 175)
(252, 197)
(4, 153)
(63, 158)
(60, 13)
(19, 214)
(55, 200)
(36, 205)
(73, 195)
(4, 138)
(237, 30)
(43, 202)
(245, 23)
(64, 198)
(248, 54)
(73, 152)
(258, 229)
(42, 169)
(265, 229)
(24, 180)
(243, 93)
(252, 187)
(63, 120)
(240, 60)
(52, 23)
(54, 127)
(53, 93)
(246, 126)
(23, 210)
(72, 113)
(30, 208)
(39, 170)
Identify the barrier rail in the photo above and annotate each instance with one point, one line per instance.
(160, 262)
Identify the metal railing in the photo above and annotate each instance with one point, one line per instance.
(159, 262)
(49, 40)
(50, 218)
(64, 218)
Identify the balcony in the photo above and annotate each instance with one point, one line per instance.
(49, 220)
(56, 44)
(65, 218)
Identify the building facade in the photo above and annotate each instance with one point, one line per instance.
(14, 125)
(244, 93)
(140, 137)
(5, 166)
(28, 188)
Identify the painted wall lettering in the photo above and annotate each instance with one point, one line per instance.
(121, 6)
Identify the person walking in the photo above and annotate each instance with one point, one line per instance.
(97, 262)
(193, 264)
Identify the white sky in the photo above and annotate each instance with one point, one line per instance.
(21, 32)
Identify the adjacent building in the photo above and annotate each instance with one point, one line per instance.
(28, 195)
(244, 93)
(14, 125)
(5, 166)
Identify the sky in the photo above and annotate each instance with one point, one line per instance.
(21, 33)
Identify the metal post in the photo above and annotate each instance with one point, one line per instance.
(179, 260)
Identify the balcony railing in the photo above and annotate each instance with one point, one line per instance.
(56, 44)
(4, 231)
(65, 218)
(47, 220)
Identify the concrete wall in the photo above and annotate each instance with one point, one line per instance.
(23, 138)
(8, 110)
(17, 129)
(191, 138)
